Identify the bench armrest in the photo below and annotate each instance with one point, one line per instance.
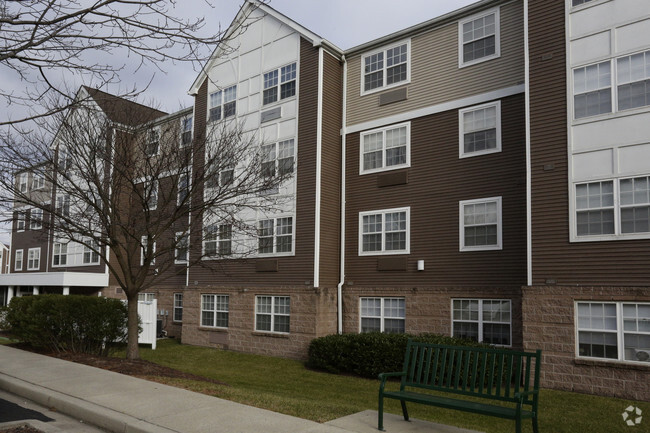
(384, 376)
(523, 394)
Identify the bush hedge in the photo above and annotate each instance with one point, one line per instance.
(369, 354)
(75, 323)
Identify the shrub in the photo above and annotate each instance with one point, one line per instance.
(369, 354)
(75, 323)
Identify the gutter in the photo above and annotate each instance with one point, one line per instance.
(339, 287)
(529, 232)
(319, 157)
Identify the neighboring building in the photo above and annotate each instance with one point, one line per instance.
(484, 174)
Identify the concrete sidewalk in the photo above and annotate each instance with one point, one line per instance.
(124, 404)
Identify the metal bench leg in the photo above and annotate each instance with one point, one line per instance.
(404, 411)
(380, 415)
(535, 427)
(518, 425)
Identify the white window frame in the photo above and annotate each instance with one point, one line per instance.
(461, 224)
(21, 220)
(278, 85)
(38, 181)
(218, 241)
(611, 87)
(274, 236)
(222, 103)
(63, 205)
(383, 213)
(178, 307)
(178, 237)
(33, 221)
(216, 310)
(183, 175)
(143, 242)
(61, 254)
(146, 297)
(383, 131)
(23, 182)
(153, 137)
(382, 316)
(461, 130)
(184, 131)
(497, 37)
(18, 260)
(34, 259)
(619, 77)
(273, 314)
(481, 321)
(383, 50)
(93, 257)
(619, 332)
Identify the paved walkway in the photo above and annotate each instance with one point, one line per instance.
(124, 404)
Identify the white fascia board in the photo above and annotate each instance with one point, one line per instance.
(71, 279)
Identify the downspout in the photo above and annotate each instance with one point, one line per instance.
(319, 151)
(342, 242)
(529, 232)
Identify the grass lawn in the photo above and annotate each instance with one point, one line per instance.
(286, 386)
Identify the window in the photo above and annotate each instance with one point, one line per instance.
(18, 261)
(186, 130)
(153, 142)
(272, 313)
(480, 224)
(386, 68)
(285, 86)
(33, 259)
(20, 220)
(223, 103)
(592, 94)
(146, 297)
(633, 80)
(91, 252)
(178, 307)
(635, 205)
(480, 129)
(151, 194)
(383, 315)
(485, 320)
(214, 311)
(36, 219)
(64, 160)
(60, 254)
(579, 2)
(182, 248)
(275, 235)
(183, 188)
(385, 148)
(384, 231)
(595, 208)
(38, 181)
(22, 182)
(63, 205)
(478, 38)
(614, 330)
(217, 240)
(144, 246)
(219, 175)
(278, 158)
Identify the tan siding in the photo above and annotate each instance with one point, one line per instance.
(622, 263)
(438, 180)
(436, 77)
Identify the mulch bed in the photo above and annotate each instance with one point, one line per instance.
(21, 429)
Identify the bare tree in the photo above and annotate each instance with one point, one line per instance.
(128, 185)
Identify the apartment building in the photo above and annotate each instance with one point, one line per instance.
(484, 174)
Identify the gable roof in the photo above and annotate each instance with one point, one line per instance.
(122, 110)
(247, 8)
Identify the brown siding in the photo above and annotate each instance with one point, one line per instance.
(330, 218)
(435, 75)
(622, 263)
(437, 181)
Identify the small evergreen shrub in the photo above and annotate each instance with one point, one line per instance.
(75, 323)
(369, 354)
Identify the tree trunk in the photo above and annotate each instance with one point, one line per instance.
(132, 348)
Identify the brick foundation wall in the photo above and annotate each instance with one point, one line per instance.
(548, 317)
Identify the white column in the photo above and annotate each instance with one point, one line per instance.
(10, 293)
(35, 290)
(66, 290)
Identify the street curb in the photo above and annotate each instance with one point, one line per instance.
(90, 413)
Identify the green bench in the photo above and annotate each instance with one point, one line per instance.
(492, 374)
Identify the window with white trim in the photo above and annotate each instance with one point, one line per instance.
(186, 130)
(18, 260)
(38, 181)
(91, 252)
(480, 129)
(22, 182)
(633, 80)
(144, 242)
(181, 251)
(386, 68)
(219, 175)
(592, 90)
(151, 194)
(183, 188)
(217, 240)
(34, 259)
(63, 206)
(384, 231)
(279, 82)
(579, 2)
(272, 314)
(485, 320)
(223, 103)
(36, 219)
(214, 311)
(595, 208)
(178, 307)
(20, 220)
(278, 158)
(479, 38)
(60, 254)
(383, 315)
(480, 224)
(386, 148)
(613, 330)
(64, 160)
(275, 236)
(153, 142)
(146, 297)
